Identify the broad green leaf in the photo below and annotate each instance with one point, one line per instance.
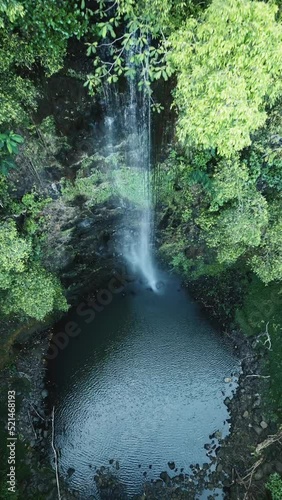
(17, 138)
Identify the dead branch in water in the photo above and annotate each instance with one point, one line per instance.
(267, 341)
(275, 438)
(32, 424)
(55, 453)
(247, 480)
(38, 414)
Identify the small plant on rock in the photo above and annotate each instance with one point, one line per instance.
(274, 485)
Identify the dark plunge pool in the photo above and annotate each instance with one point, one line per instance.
(142, 385)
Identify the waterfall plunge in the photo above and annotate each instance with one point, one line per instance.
(138, 252)
(128, 129)
(137, 248)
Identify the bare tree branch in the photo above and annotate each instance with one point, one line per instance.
(32, 425)
(267, 342)
(55, 453)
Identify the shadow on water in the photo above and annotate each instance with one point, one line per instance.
(140, 387)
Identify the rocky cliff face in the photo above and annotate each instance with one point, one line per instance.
(81, 244)
(60, 161)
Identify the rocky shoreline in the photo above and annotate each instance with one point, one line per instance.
(229, 459)
(26, 375)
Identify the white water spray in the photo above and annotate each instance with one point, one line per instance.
(131, 121)
(138, 254)
(138, 247)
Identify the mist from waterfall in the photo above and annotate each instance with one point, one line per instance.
(128, 136)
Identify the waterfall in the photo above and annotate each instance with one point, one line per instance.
(128, 142)
(138, 247)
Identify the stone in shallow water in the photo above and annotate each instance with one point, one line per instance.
(258, 476)
(227, 380)
(257, 402)
(218, 434)
(158, 483)
(165, 477)
(278, 467)
(70, 471)
(257, 429)
(171, 465)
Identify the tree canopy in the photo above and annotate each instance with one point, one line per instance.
(32, 35)
(26, 287)
(136, 43)
(228, 66)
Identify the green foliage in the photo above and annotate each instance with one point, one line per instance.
(220, 209)
(240, 221)
(4, 195)
(231, 181)
(14, 253)
(34, 293)
(130, 184)
(9, 146)
(182, 185)
(261, 310)
(10, 142)
(267, 263)
(12, 9)
(180, 177)
(26, 288)
(274, 485)
(47, 126)
(228, 70)
(17, 95)
(261, 305)
(95, 189)
(33, 33)
(112, 178)
(136, 34)
(42, 147)
(179, 262)
(173, 253)
(274, 369)
(236, 229)
(31, 207)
